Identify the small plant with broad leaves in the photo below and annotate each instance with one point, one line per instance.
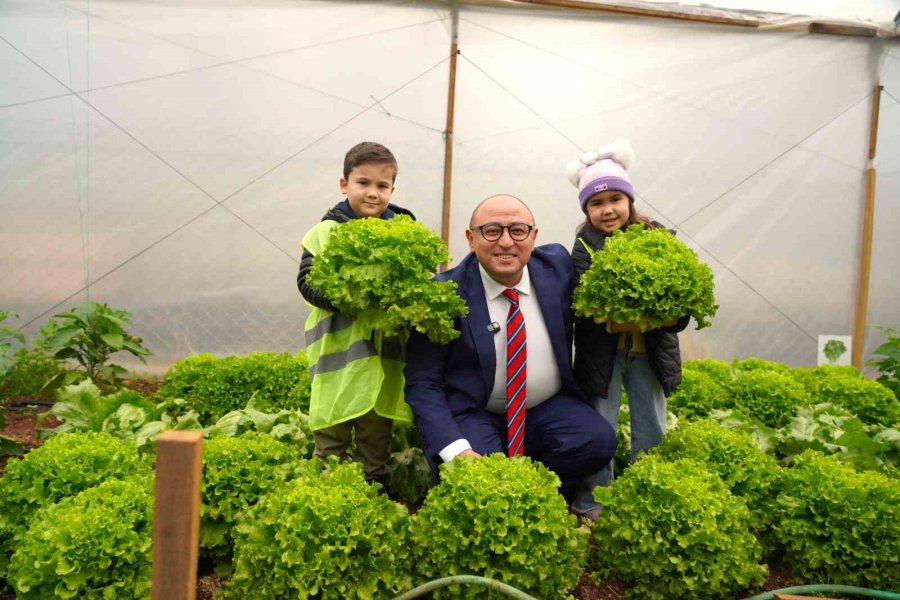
(673, 530)
(323, 535)
(379, 271)
(90, 334)
(769, 395)
(765, 437)
(648, 277)
(832, 429)
(287, 426)
(32, 368)
(500, 518)
(96, 544)
(64, 466)
(839, 526)
(886, 358)
(411, 476)
(9, 336)
(734, 456)
(215, 386)
(125, 414)
(130, 416)
(236, 473)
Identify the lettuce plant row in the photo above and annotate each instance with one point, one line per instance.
(698, 517)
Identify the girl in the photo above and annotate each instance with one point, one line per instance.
(610, 354)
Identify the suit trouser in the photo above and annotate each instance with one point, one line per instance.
(373, 443)
(565, 434)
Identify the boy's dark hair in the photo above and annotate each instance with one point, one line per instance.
(368, 152)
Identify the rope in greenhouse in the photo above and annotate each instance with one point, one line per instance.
(826, 588)
(523, 103)
(221, 203)
(82, 202)
(493, 584)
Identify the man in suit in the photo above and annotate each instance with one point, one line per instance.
(458, 391)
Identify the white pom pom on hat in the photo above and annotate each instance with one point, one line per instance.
(604, 170)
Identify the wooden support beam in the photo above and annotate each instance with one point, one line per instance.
(837, 29)
(448, 132)
(176, 518)
(865, 259)
(642, 12)
(795, 597)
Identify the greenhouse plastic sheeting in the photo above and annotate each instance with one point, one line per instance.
(167, 160)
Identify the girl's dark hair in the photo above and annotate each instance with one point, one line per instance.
(633, 219)
(365, 153)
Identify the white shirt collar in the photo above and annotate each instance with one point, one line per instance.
(492, 289)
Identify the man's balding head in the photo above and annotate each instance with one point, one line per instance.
(503, 259)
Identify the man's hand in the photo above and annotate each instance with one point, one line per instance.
(469, 452)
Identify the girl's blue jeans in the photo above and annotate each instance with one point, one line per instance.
(647, 404)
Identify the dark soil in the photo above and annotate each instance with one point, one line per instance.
(21, 424)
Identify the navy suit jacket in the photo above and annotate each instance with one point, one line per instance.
(445, 380)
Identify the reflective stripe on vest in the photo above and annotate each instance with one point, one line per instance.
(330, 324)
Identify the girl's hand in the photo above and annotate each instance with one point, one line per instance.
(620, 327)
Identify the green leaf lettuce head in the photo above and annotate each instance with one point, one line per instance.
(379, 271)
(93, 545)
(673, 530)
(698, 395)
(64, 466)
(869, 400)
(214, 386)
(648, 277)
(734, 457)
(323, 535)
(236, 472)
(771, 396)
(839, 526)
(501, 518)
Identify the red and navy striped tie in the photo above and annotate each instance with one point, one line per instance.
(516, 376)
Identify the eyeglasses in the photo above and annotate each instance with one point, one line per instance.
(494, 231)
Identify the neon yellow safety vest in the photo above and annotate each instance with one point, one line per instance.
(352, 368)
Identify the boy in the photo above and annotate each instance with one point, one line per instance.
(356, 374)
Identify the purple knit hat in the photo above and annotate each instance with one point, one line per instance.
(601, 171)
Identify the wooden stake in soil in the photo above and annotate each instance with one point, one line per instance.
(176, 519)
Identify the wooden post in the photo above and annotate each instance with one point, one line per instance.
(176, 519)
(448, 131)
(865, 260)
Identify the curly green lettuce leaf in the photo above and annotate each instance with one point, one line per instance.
(648, 277)
(379, 271)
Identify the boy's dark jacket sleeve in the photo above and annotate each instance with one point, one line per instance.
(341, 213)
